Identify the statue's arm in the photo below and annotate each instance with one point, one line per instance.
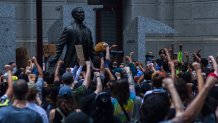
(61, 43)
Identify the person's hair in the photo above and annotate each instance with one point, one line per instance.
(161, 51)
(67, 105)
(74, 11)
(147, 75)
(166, 66)
(182, 89)
(31, 95)
(204, 62)
(120, 91)
(49, 78)
(50, 93)
(145, 86)
(20, 89)
(155, 107)
(78, 117)
(67, 78)
(157, 79)
(187, 77)
(137, 89)
(104, 108)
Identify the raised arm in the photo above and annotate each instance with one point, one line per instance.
(40, 81)
(214, 64)
(196, 105)
(111, 76)
(99, 84)
(107, 56)
(173, 71)
(187, 58)
(78, 73)
(107, 62)
(167, 54)
(195, 56)
(197, 68)
(39, 69)
(140, 66)
(131, 65)
(88, 74)
(9, 91)
(175, 96)
(102, 64)
(141, 78)
(130, 79)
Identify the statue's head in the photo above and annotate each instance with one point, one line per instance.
(78, 14)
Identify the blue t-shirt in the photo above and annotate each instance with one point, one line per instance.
(11, 114)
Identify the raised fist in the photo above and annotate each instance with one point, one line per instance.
(196, 66)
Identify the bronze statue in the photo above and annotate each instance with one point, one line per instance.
(75, 34)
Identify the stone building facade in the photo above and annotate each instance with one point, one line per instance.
(196, 21)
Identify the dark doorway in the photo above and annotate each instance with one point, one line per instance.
(109, 22)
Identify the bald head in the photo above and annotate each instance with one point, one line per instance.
(20, 89)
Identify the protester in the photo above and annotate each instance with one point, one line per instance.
(18, 112)
(33, 102)
(166, 89)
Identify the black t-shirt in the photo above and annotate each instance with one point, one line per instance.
(88, 103)
(11, 114)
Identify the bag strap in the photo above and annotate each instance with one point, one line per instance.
(59, 111)
(126, 114)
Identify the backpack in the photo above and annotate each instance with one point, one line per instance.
(62, 114)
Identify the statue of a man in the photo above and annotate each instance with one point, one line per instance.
(75, 34)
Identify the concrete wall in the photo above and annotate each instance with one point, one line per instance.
(26, 20)
(197, 25)
(196, 18)
(162, 10)
(196, 21)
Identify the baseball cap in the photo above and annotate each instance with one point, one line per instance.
(67, 78)
(149, 54)
(119, 70)
(65, 92)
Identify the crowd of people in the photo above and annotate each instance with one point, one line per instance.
(168, 89)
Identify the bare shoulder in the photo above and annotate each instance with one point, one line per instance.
(52, 114)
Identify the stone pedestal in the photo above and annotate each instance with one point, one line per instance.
(7, 34)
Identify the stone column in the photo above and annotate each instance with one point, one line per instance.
(7, 34)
